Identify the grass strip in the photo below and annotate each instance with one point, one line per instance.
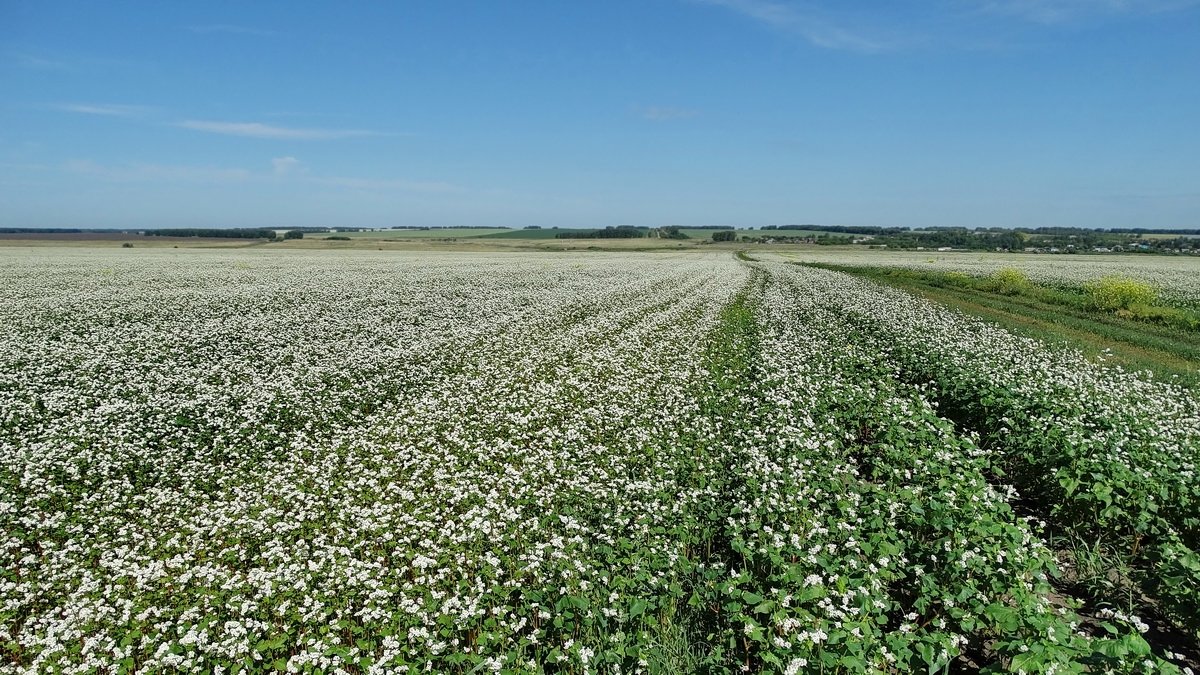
(1167, 352)
(699, 635)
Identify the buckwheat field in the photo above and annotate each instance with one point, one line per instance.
(1173, 277)
(388, 462)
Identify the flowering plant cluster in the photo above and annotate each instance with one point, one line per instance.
(286, 461)
(1105, 454)
(1174, 278)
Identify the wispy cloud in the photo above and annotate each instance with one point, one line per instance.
(34, 62)
(285, 165)
(24, 166)
(68, 61)
(128, 173)
(107, 109)
(259, 130)
(1063, 11)
(229, 28)
(805, 22)
(664, 113)
(283, 169)
(243, 129)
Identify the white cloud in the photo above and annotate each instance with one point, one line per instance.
(259, 130)
(284, 165)
(129, 173)
(280, 166)
(39, 63)
(847, 27)
(805, 22)
(107, 109)
(664, 113)
(1060, 11)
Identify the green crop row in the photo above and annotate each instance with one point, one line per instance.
(1106, 456)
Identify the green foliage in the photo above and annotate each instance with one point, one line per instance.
(1009, 281)
(1167, 316)
(293, 234)
(1077, 299)
(960, 279)
(610, 232)
(1114, 293)
(1056, 440)
(724, 235)
(218, 233)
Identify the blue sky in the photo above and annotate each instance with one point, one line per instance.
(647, 112)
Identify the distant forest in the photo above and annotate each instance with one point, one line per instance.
(231, 233)
(618, 232)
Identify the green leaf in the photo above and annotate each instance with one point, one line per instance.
(638, 608)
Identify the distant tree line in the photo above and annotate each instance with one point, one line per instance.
(1052, 239)
(219, 233)
(957, 238)
(610, 232)
(1099, 230)
(843, 229)
(47, 230)
(1143, 230)
(1036, 239)
(451, 227)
